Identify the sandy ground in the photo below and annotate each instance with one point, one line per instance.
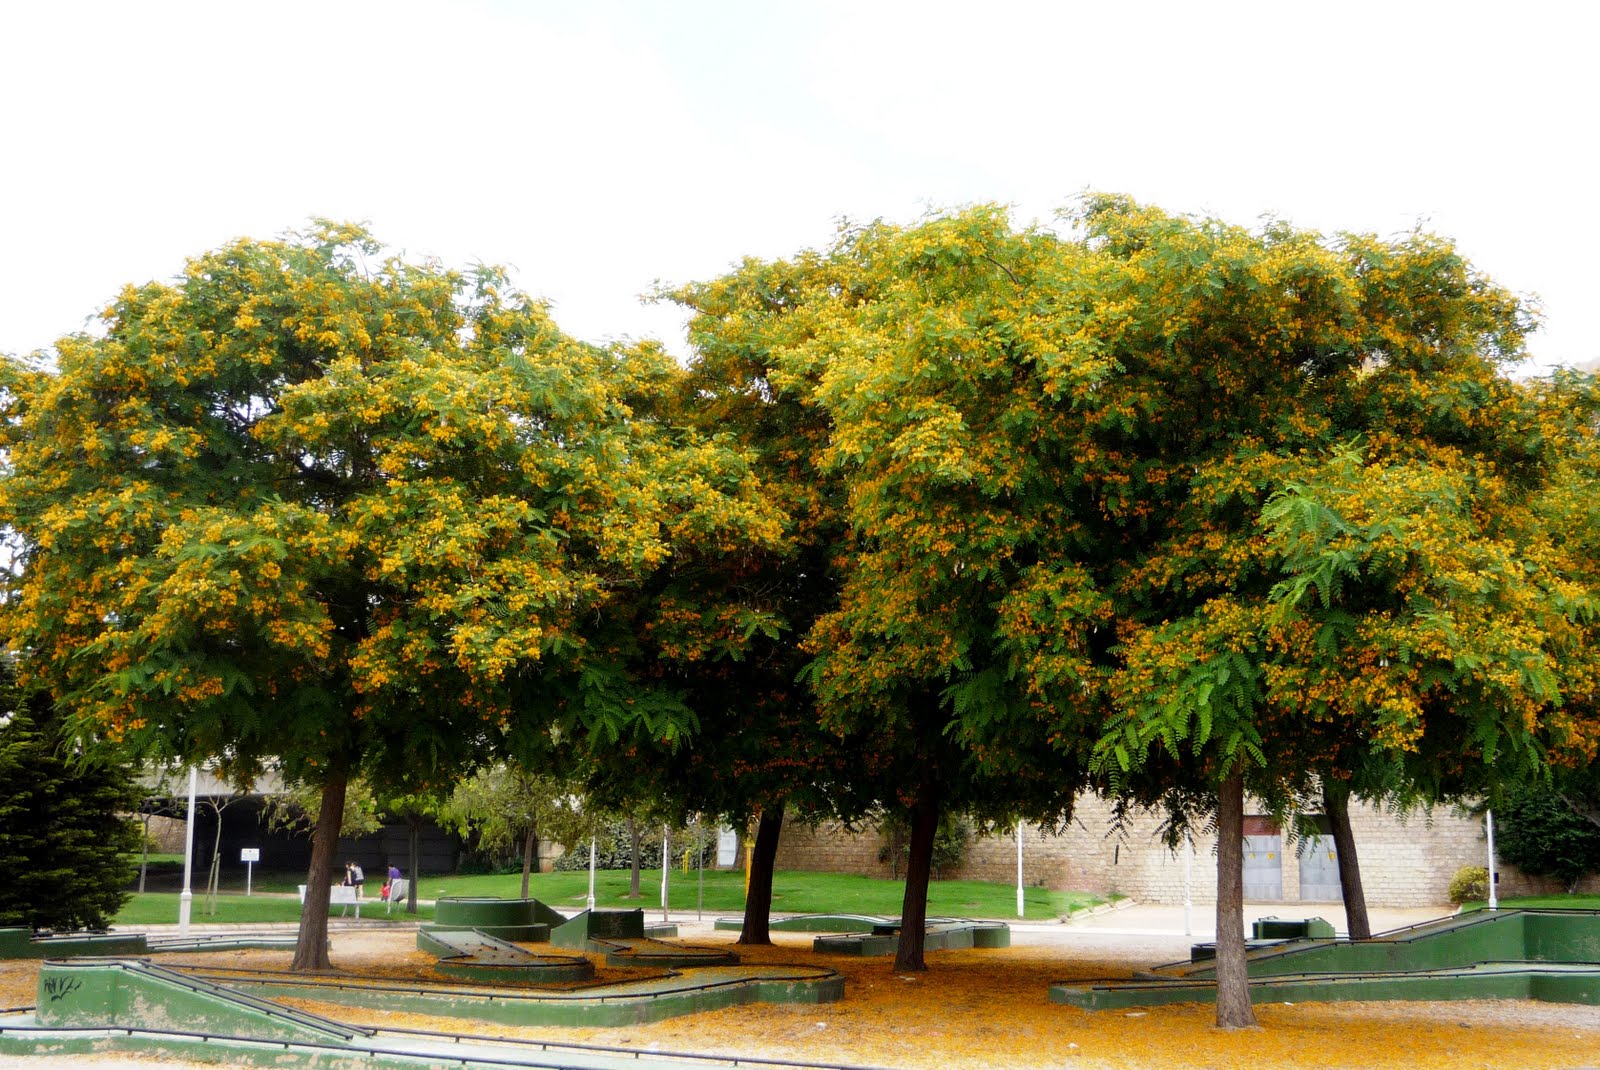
(986, 1008)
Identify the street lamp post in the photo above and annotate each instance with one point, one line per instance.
(1021, 912)
(1488, 825)
(186, 900)
(591, 872)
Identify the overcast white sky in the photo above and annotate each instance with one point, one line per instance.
(595, 147)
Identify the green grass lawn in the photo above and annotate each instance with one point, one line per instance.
(233, 908)
(792, 893)
(1568, 902)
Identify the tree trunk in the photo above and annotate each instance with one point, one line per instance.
(633, 876)
(919, 867)
(311, 948)
(758, 898)
(1233, 978)
(144, 854)
(413, 859)
(1336, 805)
(530, 838)
(216, 863)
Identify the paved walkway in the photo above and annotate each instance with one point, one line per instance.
(1140, 919)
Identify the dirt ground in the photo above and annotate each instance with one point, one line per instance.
(987, 1008)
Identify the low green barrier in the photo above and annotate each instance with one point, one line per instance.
(23, 944)
(941, 934)
(134, 993)
(621, 936)
(1511, 954)
(471, 955)
(646, 999)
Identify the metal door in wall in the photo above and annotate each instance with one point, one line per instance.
(1263, 867)
(1319, 870)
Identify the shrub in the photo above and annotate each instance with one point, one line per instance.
(1541, 835)
(1469, 885)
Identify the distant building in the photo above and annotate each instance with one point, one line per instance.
(242, 826)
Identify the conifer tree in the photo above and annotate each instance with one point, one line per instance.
(66, 847)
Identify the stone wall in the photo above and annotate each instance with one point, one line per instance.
(1406, 860)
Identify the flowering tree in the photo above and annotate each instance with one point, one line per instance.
(1341, 572)
(314, 503)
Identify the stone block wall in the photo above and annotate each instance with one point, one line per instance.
(1406, 860)
(831, 848)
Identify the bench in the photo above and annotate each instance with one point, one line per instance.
(339, 895)
(399, 888)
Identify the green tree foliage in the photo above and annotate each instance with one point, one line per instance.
(726, 634)
(1227, 508)
(899, 350)
(1298, 605)
(508, 807)
(1537, 831)
(321, 505)
(66, 845)
(294, 810)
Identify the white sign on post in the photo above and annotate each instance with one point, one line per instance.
(249, 856)
(727, 847)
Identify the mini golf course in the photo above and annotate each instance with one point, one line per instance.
(874, 934)
(22, 944)
(1551, 955)
(132, 1005)
(97, 993)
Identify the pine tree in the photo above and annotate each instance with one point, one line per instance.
(65, 846)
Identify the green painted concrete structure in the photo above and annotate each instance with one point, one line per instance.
(648, 999)
(1509, 954)
(941, 934)
(1553, 982)
(473, 955)
(526, 921)
(813, 923)
(382, 1050)
(878, 934)
(134, 992)
(1487, 936)
(23, 944)
(1291, 929)
(18, 943)
(222, 942)
(622, 937)
(94, 1004)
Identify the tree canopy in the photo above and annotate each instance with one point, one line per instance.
(949, 516)
(319, 504)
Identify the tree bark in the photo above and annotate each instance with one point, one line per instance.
(413, 859)
(919, 867)
(216, 861)
(633, 876)
(528, 840)
(1336, 805)
(311, 948)
(1233, 978)
(758, 898)
(144, 855)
